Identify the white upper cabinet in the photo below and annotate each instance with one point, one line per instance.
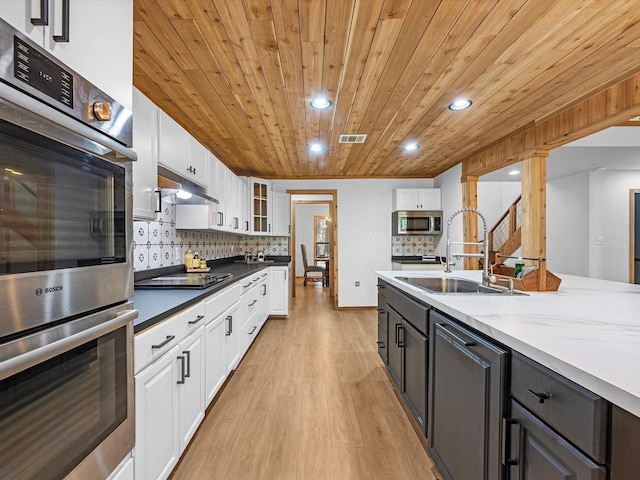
(173, 145)
(416, 199)
(197, 166)
(281, 215)
(100, 38)
(145, 169)
(260, 210)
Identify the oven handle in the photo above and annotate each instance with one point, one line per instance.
(26, 352)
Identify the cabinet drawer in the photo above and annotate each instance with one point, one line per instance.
(415, 313)
(575, 412)
(218, 303)
(191, 319)
(154, 342)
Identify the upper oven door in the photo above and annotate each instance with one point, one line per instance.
(65, 223)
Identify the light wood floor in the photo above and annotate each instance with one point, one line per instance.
(310, 400)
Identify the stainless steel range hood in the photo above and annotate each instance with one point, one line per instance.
(171, 185)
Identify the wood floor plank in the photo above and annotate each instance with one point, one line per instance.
(310, 400)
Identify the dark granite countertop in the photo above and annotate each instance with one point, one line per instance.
(155, 305)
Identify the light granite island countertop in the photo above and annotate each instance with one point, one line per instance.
(587, 331)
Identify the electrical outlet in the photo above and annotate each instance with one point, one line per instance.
(357, 284)
(176, 254)
(599, 240)
(370, 240)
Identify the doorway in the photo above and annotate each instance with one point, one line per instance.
(634, 240)
(302, 202)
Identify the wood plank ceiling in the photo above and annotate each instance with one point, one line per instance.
(239, 75)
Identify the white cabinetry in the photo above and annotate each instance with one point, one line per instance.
(279, 297)
(220, 310)
(416, 199)
(157, 419)
(281, 215)
(85, 46)
(173, 145)
(260, 211)
(180, 152)
(197, 163)
(191, 385)
(145, 169)
(170, 394)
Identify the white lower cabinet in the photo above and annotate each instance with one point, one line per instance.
(181, 363)
(279, 297)
(157, 418)
(219, 358)
(169, 399)
(191, 385)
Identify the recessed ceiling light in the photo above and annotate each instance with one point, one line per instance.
(315, 147)
(514, 172)
(321, 102)
(460, 104)
(635, 119)
(410, 147)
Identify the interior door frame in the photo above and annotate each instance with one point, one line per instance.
(333, 237)
(632, 230)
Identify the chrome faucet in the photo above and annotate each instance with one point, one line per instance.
(487, 276)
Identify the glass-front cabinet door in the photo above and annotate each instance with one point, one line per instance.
(260, 208)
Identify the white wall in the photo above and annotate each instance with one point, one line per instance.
(609, 219)
(568, 225)
(364, 231)
(304, 232)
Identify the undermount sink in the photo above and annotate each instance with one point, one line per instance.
(454, 285)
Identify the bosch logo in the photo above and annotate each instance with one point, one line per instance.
(40, 291)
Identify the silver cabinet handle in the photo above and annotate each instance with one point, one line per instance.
(166, 340)
(198, 318)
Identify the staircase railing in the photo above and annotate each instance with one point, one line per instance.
(505, 236)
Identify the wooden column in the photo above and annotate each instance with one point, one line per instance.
(534, 211)
(470, 220)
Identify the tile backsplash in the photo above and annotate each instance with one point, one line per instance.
(159, 244)
(407, 245)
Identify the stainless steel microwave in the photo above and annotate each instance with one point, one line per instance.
(415, 222)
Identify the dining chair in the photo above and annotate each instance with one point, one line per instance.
(312, 269)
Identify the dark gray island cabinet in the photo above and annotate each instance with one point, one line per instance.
(491, 413)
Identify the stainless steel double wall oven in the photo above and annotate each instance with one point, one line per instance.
(66, 325)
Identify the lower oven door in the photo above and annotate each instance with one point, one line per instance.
(66, 398)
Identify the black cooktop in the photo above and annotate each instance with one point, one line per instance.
(182, 280)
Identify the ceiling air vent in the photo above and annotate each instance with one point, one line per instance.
(354, 138)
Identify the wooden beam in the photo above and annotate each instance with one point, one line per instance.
(534, 216)
(470, 220)
(607, 108)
